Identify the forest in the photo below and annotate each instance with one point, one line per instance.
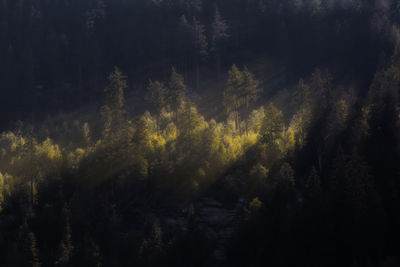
(200, 133)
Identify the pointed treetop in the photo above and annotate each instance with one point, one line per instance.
(115, 89)
(200, 39)
(219, 29)
(177, 82)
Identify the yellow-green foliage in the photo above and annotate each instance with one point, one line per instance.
(190, 148)
(24, 161)
(300, 123)
(256, 119)
(6, 183)
(286, 141)
(48, 150)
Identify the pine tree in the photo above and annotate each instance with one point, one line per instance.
(200, 45)
(241, 89)
(177, 91)
(114, 114)
(273, 124)
(185, 44)
(232, 101)
(219, 30)
(321, 88)
(114, 91)
(250, 91)
(31, 170)
(301, 120)
(189, 119)
(157, 93)
(193, 43)
(219, 34)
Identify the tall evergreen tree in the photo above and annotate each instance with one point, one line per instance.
(177, 91)
(273, 124)
(157, 93)
(189, 119)
(114, 114)
(219, 34)
(250, 92)
(241, 89)
(232, 100)
(200, 45)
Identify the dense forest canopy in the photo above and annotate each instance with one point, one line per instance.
(200, 133)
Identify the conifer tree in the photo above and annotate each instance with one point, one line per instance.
(321, 88)
(200, 45)
(185, 43)
(189, 119)
(177, 91)
(273, 124)
(241, 89)
(232, 100)
(219, 34)
(301, 120)
(250, 91)
(157, 93)
(113, 111)
(31, 171)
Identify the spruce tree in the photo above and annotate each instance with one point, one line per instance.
(177, 91)
(232, 100)
(219, 34)
(114, 114)
(157, 93)
(273, 124)
(200, 45)
(241, 89)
